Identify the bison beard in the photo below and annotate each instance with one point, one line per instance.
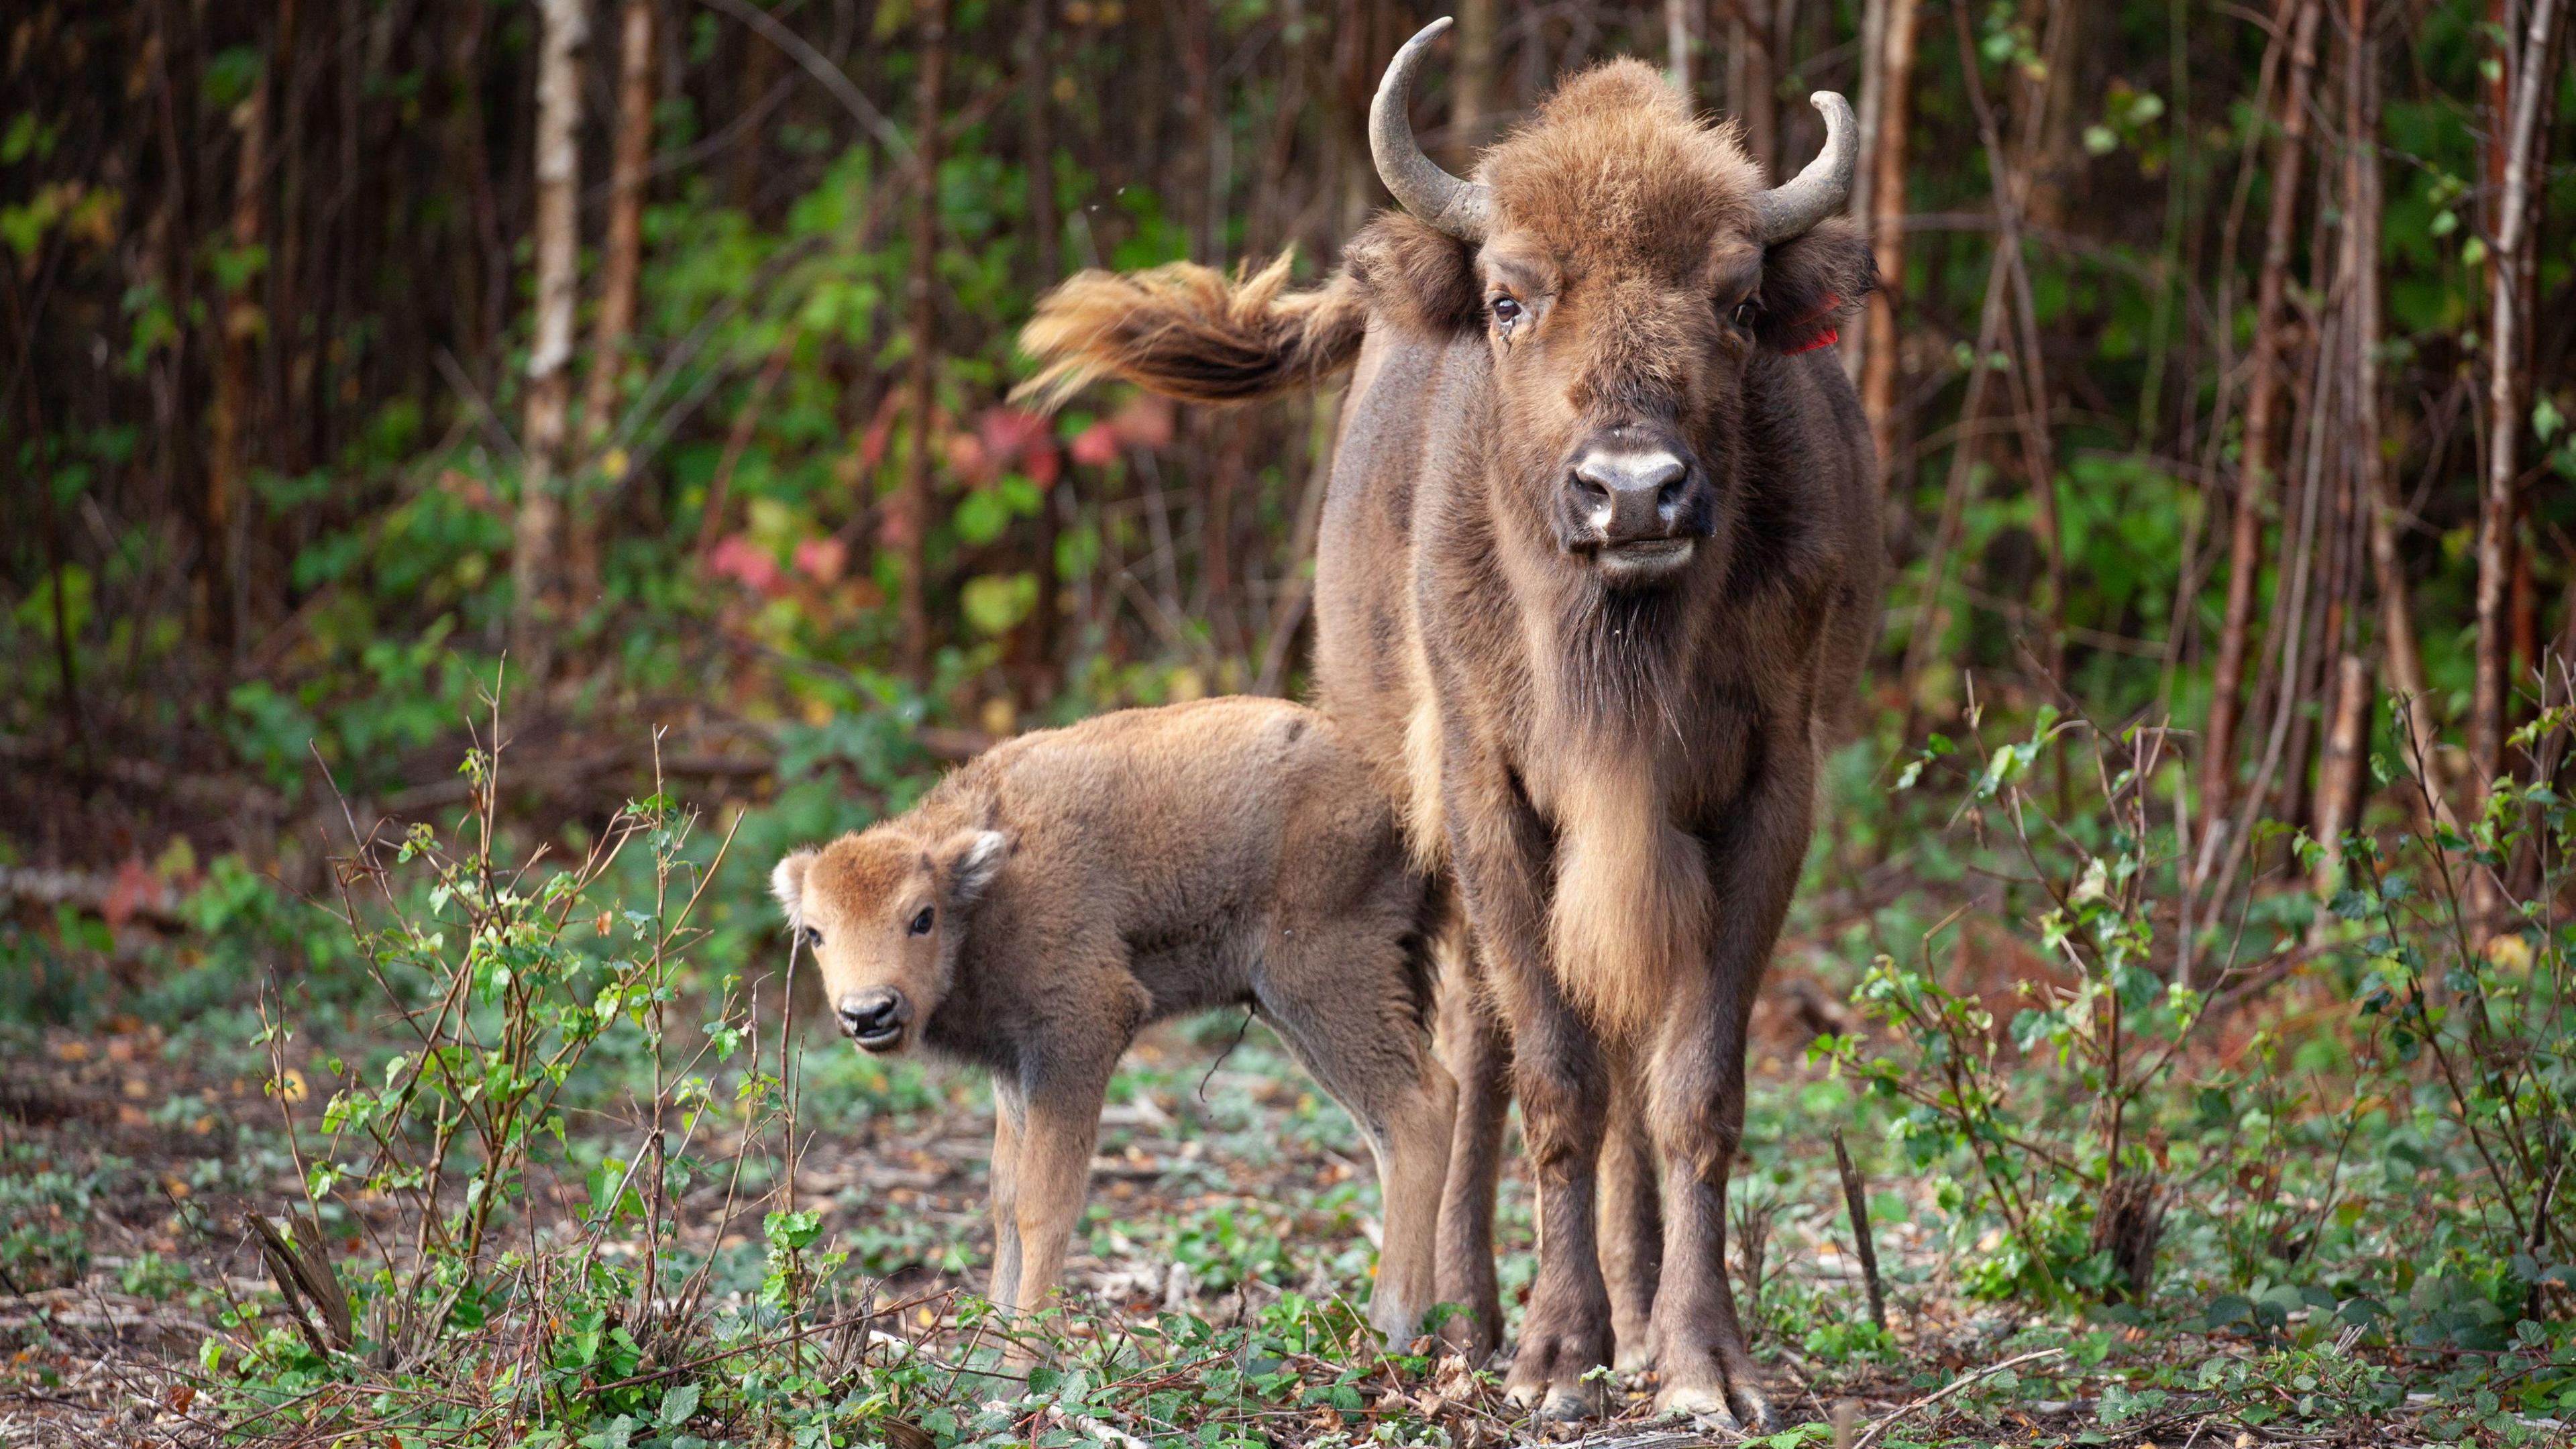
(1614, 764)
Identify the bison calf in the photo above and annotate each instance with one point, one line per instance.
(1049, 900)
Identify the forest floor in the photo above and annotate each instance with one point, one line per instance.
(1222, 1183)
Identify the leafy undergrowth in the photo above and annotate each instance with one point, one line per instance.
(1216, 1280)
(531, 1162)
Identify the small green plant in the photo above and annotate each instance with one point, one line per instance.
(2038, 1122)
(45, 1209)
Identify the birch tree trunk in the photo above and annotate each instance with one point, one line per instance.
(2509, 313)
(2254, 474)
(536, 550)
(1677, 45)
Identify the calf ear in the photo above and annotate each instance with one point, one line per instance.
(1810, 283)
(968, 862)
(787, 882)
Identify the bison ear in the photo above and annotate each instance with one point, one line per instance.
(968, 862)
(787, 882)
(1416, 276)
(1810, 283)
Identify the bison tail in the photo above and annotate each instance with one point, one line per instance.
(1191, 332)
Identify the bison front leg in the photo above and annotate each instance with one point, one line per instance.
(1695, 1106)
(1562, 1078)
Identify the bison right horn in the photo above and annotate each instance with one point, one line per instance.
(1463, 209)
(1791, 208)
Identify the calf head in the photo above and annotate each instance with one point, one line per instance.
(885, 912)
(1627, 265)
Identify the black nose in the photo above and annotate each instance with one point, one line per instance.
(873, 1016)
(1626, 493)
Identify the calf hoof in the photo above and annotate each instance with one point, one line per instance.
(1636, 1355)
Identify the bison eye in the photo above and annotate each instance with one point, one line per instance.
(921, 923)
(813, 937)
(1507, 313)
(1746, 313)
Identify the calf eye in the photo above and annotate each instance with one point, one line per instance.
(813, 937)
(921, 923)
(1507, 313)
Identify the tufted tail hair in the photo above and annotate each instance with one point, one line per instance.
(1192, 332)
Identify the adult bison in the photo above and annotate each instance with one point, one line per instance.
(1597, 567)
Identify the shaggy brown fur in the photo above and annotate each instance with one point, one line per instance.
(1049, 900)
(1612, 727)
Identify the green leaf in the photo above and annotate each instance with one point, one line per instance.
(996, 603)
(679, 1403)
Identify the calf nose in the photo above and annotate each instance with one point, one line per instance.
(870, 1014)
(1631, 493)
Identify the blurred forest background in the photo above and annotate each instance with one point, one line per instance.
(2220, 374)
(657, 354)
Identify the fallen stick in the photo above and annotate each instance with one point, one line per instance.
(1856, 1198)
(1878, 1427)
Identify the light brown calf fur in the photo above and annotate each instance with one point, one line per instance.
(1046, 902)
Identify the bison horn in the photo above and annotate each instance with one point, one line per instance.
(1789, 209)
(1463, 209)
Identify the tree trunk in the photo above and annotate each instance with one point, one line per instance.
(537, 545)
(621, 267)
(2339, 770)
(1751, 81)
(908, 524)
(1046, 228)
(1887, 230)
(2509, 314)
(2401, 657)
(1471, 90)
(759, 71)
(2254, 475)
(240, 323)
(1677, 44)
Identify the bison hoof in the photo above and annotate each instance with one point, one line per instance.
(1758, 1414)
(1564, 1407)
(1555, 1404)
(1704, 1405)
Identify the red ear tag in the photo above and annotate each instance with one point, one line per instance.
(1826, 338)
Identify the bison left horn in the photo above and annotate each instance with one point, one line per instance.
(1463, 209)
(1791, 208)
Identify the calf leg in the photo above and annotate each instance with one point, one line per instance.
(1479, 1053)
(1346, 1013)
(1054, 1175)
(1632, 1227)
(1010, 1111)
